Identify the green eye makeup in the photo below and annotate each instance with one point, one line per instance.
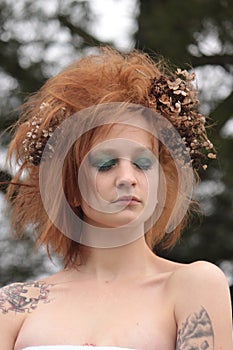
(143, 163)
(104, 161)
(105, 165)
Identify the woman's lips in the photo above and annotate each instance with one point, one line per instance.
(127, 200)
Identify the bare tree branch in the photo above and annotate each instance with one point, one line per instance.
(87, 37)
(221, 60)
(223, 111)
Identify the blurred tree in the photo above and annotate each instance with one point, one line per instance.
(200, 34)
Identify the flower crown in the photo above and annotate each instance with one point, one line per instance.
(174, 97)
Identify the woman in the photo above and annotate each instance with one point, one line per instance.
(110, 149)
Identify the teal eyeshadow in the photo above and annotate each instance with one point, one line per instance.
(144, 163)
(108, 160)
(100, 160)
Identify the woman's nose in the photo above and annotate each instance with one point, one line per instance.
(126, 176)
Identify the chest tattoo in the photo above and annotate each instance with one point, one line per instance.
(196, 333)
(24, 297)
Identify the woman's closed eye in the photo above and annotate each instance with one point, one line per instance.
(104, 164)
(143, 163)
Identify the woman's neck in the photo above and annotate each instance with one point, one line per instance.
(126, 261)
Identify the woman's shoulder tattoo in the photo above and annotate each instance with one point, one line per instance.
(196, 333)
(24, 297)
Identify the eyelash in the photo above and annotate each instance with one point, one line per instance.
(107, 165)
(104, 167)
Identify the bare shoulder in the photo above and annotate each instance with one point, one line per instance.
(24, 297)
(202, 307)
(197, 273)
(17, 301)
(198, 284)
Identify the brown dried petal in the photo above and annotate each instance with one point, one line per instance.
(180, 92)
(211, 155)
(164, 100)
(174, 85)
(188, 76)
(186, 101)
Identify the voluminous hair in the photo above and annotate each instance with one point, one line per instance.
(97, 79)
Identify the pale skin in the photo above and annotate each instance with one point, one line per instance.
(124, 296)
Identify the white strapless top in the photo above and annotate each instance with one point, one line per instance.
(74, 347)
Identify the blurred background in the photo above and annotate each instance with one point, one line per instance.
(39, 38)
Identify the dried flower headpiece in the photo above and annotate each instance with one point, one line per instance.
(36, 139)
(176, 98)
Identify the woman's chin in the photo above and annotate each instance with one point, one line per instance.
(121, 221)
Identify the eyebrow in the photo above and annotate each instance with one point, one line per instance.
(111, 151)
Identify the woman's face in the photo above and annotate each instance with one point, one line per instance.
(118, 178)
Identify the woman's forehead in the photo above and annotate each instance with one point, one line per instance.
(121, 131)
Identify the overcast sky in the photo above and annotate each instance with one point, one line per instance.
(116, 21)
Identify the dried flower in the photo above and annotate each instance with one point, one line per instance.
(211, 155)
(36, 139)
(176, 98)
